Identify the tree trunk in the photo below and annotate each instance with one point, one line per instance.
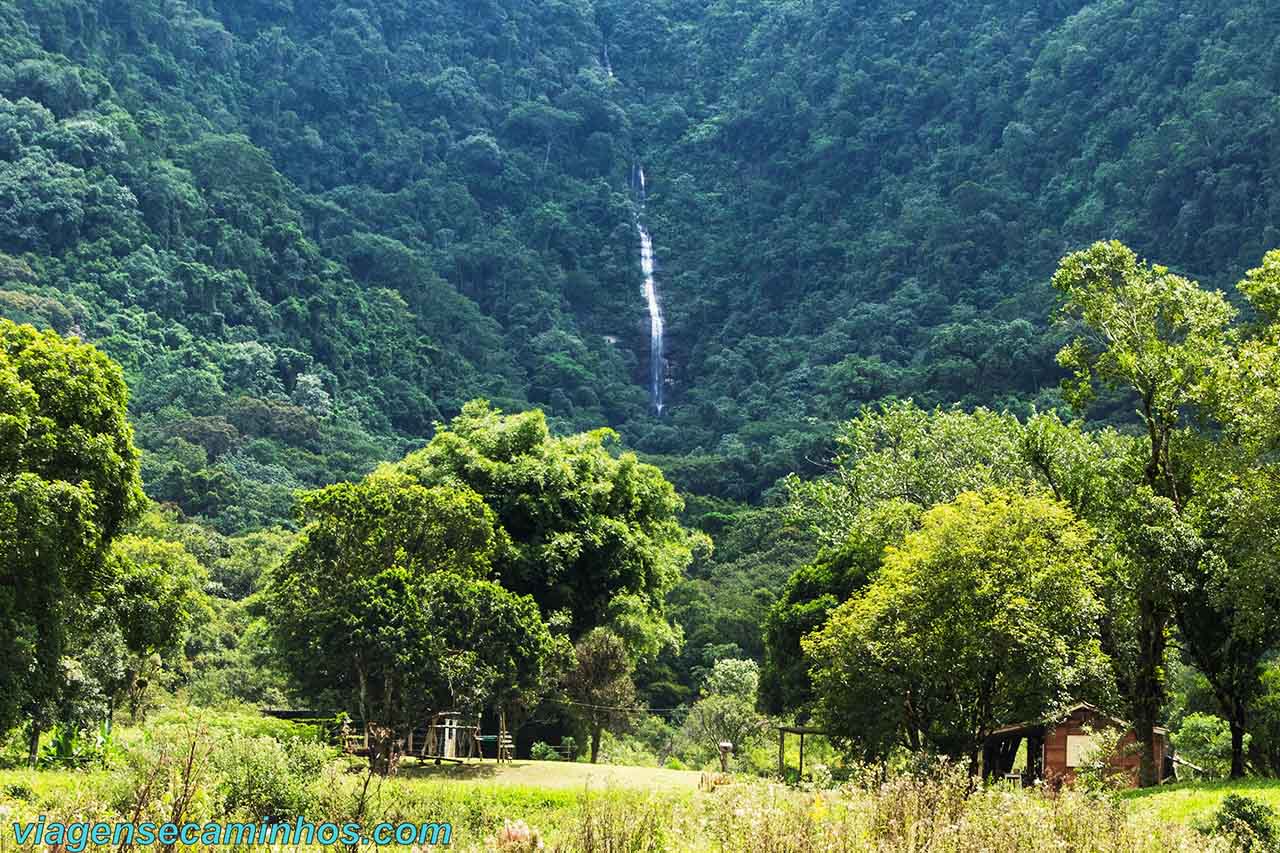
(1237, 741)
(33, 745)
(595, 744)
(1149, 684)
(385, 749)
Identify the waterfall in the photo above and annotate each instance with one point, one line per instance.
(657, 357)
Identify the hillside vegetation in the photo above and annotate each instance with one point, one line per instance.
(310, 231)
(332, 377)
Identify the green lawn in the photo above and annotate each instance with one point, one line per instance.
(557, 775)
(1194, 802)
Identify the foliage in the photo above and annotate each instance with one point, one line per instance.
(1249, 824)
(68, 485)
(308, 233)
(383, 606)
(156, 596)
(814, 591)
(1205, 741)
(252, 206)
(585, 526)
(902, 452)
(263, 778)
(984, 615)
(1265, 753)
(1168, 344)
(726, 711)
(599, 686)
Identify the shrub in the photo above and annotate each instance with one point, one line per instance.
(259, 777)
(20, 792)
(626, 750)
(1205, 740)
(543, 751)
(1248, 824)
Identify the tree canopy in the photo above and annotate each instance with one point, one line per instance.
(984, 615)
(385, 607)
(69, 483)
(589, 530)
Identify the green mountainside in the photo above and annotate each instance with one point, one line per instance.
(308, 231)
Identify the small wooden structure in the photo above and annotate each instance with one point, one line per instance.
(449, 737)
(783, 731)
(1058, 747)
(506, 743)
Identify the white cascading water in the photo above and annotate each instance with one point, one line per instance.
(657, 358)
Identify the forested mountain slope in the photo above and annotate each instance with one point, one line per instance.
(861, 199)
(309, 230)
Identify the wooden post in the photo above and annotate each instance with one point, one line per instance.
(782, 754)
(411, 740)
(802, 755)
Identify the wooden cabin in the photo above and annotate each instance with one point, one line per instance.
(1056, 748)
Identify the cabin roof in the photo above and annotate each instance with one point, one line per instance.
(1059, 717)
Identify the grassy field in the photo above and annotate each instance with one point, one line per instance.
(1193, 803)
(584, 808)
(247, 768)
(556, 775)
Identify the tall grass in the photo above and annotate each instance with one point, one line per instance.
(935, 815)
(199, 774)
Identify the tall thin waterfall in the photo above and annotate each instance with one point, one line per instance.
(657, 356)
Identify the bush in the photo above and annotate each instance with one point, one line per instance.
(1247, 823)
(262, 778)
(626, 750)
(543, 751)
(20, 792)
(1205, 740)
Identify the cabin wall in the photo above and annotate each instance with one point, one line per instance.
(1055, 747)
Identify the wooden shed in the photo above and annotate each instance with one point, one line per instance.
(1056, 748)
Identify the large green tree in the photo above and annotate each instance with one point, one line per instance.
(986, 614)
(69, 484)
(1165, 343)
(586, 529)
(1228, 604)
(155, 597)
(384, 606)
(892, 463)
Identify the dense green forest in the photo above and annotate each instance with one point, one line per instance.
(310, 234)
(310, 231)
